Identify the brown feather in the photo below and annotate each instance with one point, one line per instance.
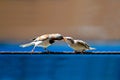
(83, 44)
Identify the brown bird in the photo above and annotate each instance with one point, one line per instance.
(44, 41)
(77, 45)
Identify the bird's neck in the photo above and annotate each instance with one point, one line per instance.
(70, 42)
(51, 41)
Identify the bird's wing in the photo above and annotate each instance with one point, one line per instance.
(80, 42)
(42, 38)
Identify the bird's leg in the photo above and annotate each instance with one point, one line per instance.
(82, 51)
(76, 52)
(33, 49)
(79, 51)
(46, 50)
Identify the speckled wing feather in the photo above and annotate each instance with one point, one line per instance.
(80, 42)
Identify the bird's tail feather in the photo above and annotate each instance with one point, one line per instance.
(91, 48)
(27, 45)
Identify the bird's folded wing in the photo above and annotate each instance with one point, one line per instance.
(80, 42)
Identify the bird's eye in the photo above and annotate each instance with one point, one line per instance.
(33, 38)
(51, 41)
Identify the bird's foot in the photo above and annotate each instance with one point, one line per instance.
(32, 51)
(79, 52)
(47, 51)
(76, 52)
(83, 51)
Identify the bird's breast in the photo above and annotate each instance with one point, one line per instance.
(77, 47)
(45, 43)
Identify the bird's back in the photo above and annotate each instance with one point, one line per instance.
(81, 43)
(42, 37)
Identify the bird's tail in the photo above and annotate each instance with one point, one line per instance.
(27, 45)
(91, 48)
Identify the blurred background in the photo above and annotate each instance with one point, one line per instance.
(95, 21)
(83, 19)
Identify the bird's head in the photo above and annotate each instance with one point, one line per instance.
(33, 38)
(69, 40)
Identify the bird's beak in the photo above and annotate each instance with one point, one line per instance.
(64, 39)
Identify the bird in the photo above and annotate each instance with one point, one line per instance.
(77, 45)
(44, 41)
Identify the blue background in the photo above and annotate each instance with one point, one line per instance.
(59, 66)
